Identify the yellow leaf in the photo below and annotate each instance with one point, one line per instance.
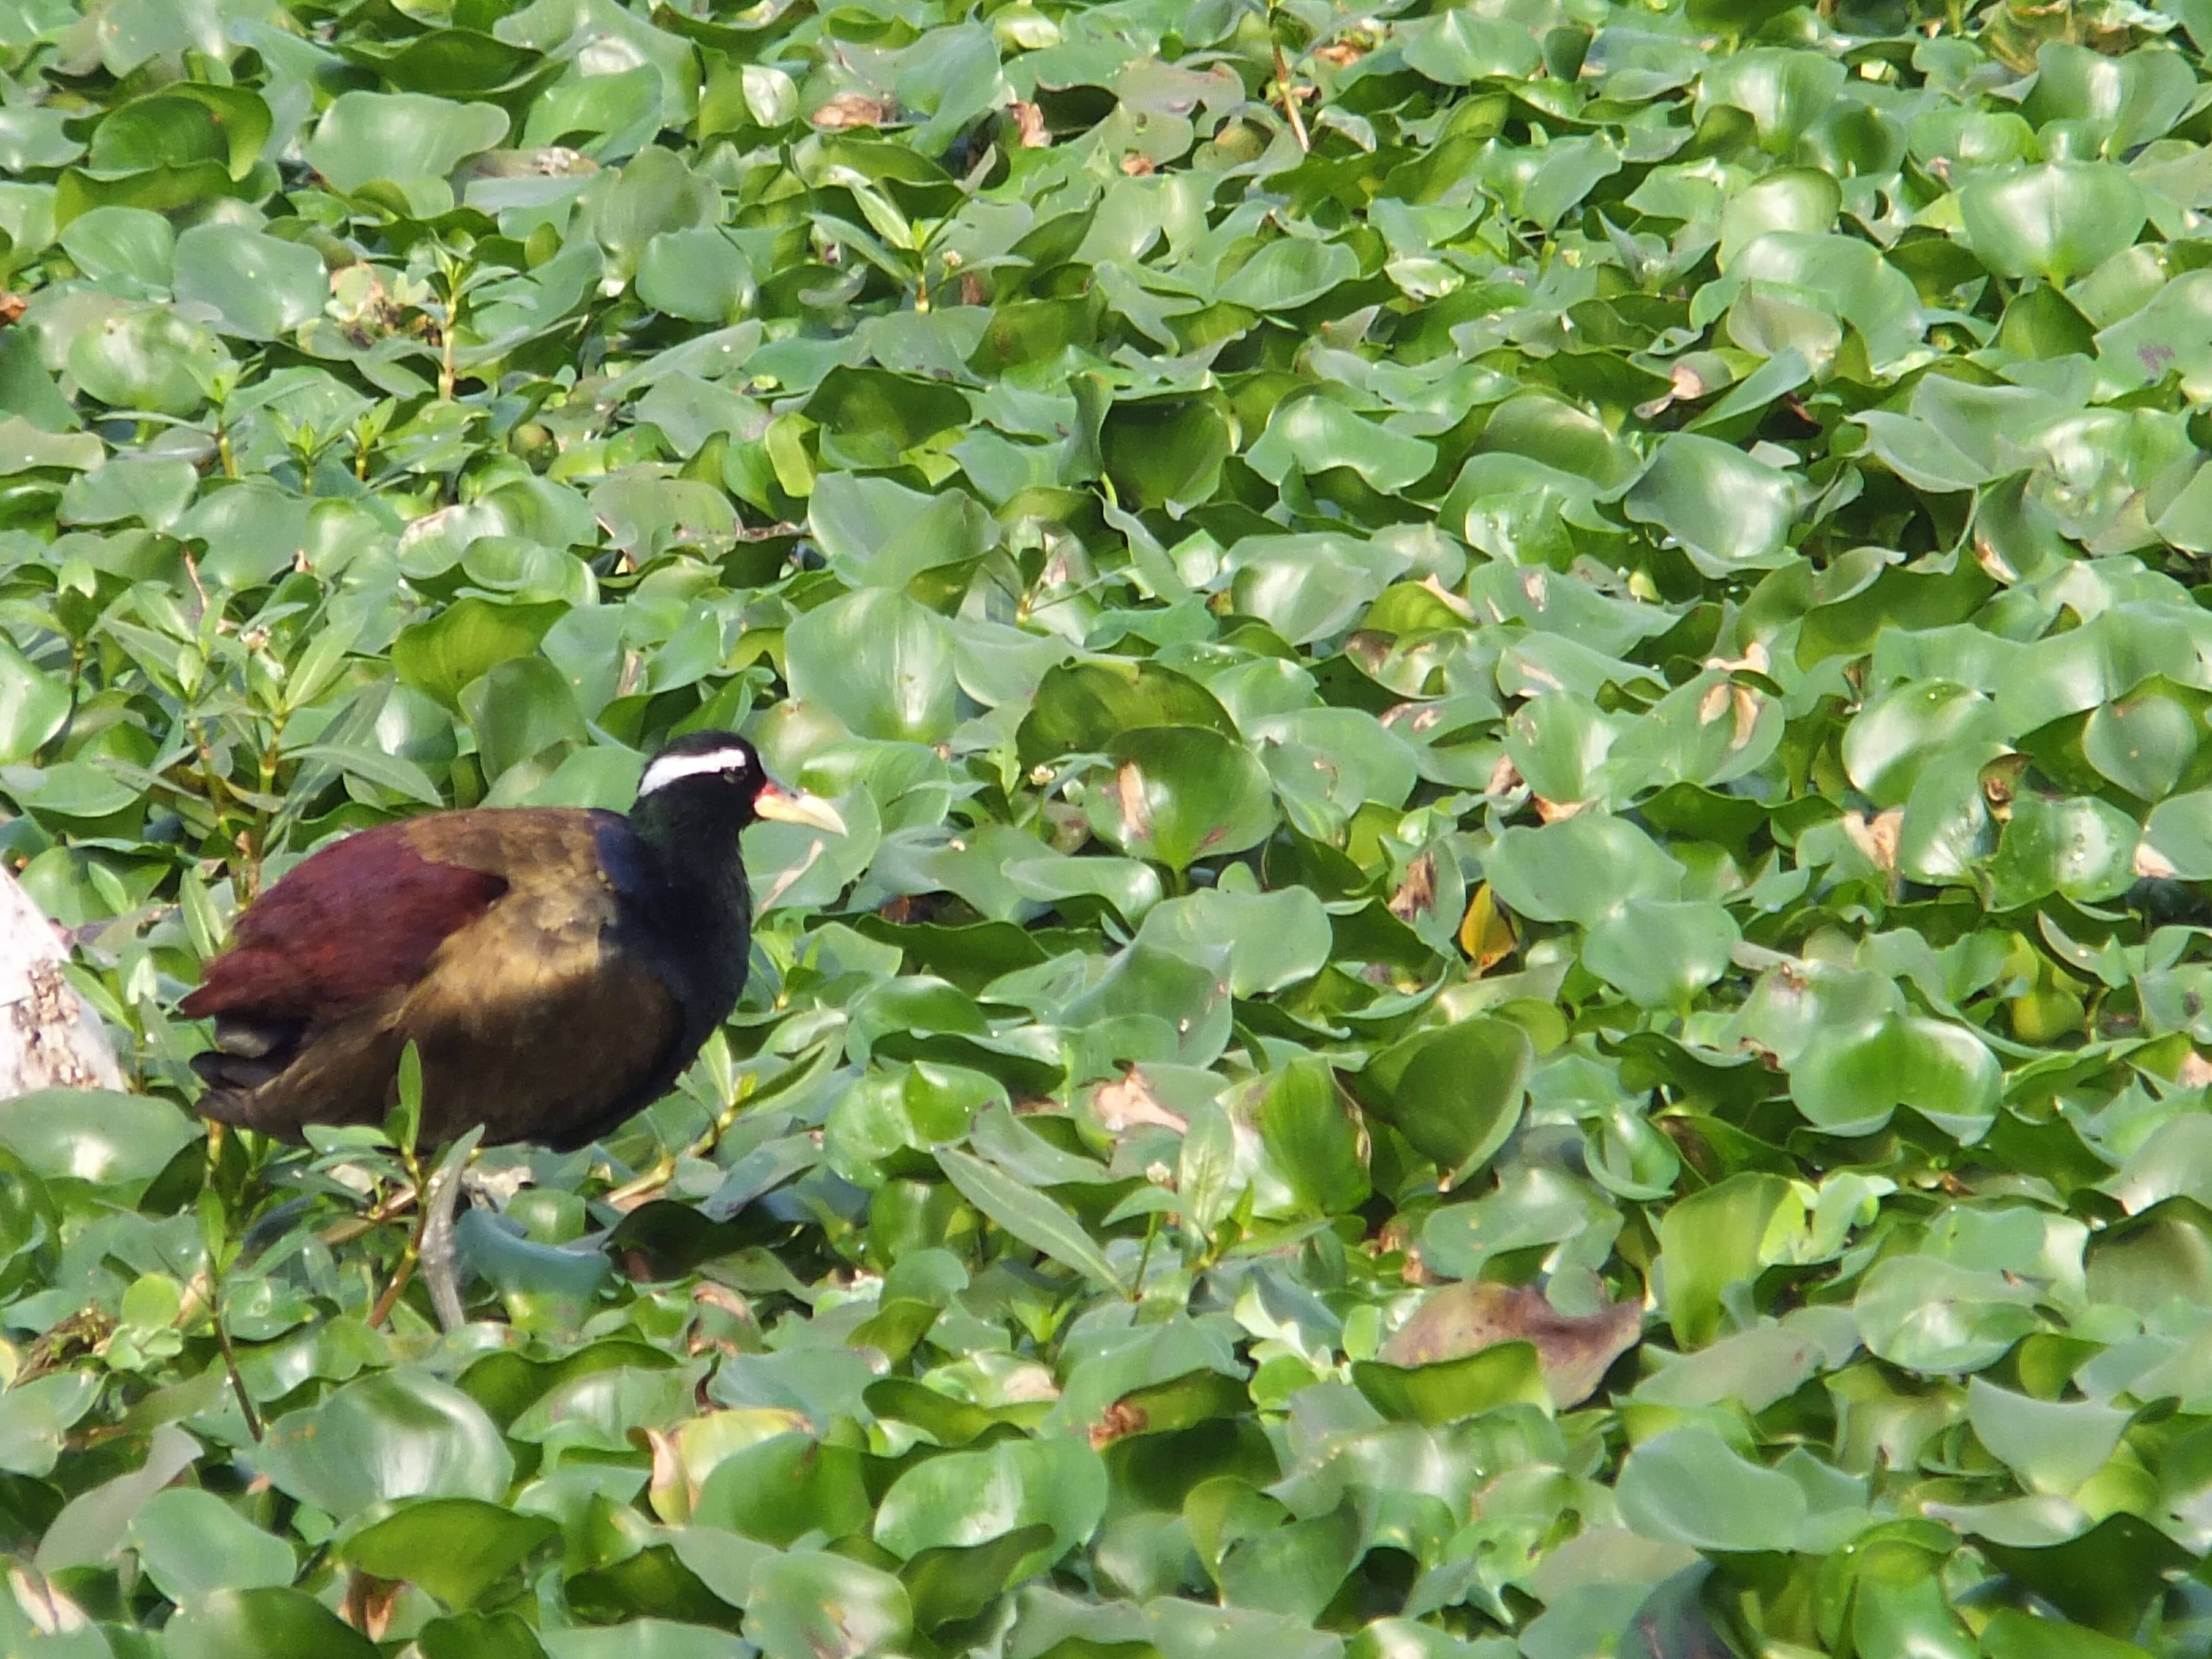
(1485, 935)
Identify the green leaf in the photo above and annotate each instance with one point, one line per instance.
(2055, 221)
(391, 1435)
(779, 1489)
(456, 1548)
(1931, 1315)
(262, 288)
(1850, 1079)
(1578, 869)
(1449, 1390)
(1710, 1242)
(1661, 953)
(33, 706)
(1082, 707)
(2052, 1446)
(191, 1544)
(879, 662)
(114, 1141)
(1689, 1486)
(399, 135)
(1454, 1093)
(466, 639)
(1289, 273)
(1726, 510)
(1179, 793)
(825, 1607)
(1030, 1217)
(152, 359)
(1458, 47)
(268, 1623)
(961, 1499)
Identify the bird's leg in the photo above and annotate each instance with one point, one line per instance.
(435, 1245)
(431, 1246)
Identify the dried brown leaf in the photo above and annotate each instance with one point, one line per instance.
(1574, 1350)
(1029, 124)
(853, 109)
(1416, 894)
(1129, 1101)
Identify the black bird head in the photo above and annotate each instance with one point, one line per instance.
(715, 780)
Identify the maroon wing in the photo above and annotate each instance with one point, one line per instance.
(359, 918)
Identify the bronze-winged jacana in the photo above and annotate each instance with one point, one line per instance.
(556, 969)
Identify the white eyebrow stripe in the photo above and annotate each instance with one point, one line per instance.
(667, 769)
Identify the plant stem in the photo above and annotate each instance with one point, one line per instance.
(1290, 99)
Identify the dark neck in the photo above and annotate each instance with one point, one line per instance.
(698, 851)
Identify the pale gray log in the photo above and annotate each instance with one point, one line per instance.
(48, 1038)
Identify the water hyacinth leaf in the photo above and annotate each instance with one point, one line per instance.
(1661, 953)
(156, 493)
(1710, 1242)
(694, 273)
(781, 1488)
(1689, 1486)
(1459, 47)
(399, 135)
(2053, 1446)
(1030, 1217)
(1167, 450)
(2055, 221)
(964, 1498)
(1290, 272)
(1786, 199)
(1929, 1314)
(879, 662)
(36, 1417)
(1316, 434)
(191, 1544)
(2082, 847)
(1454, 1093)
(391, 1435)
(1572, 1351)
(1309, 1136)
(1850, 1079)
(152, 359)
(2144, 742)
(1082, 707)
(2179, 834)
(448, 651)
(1450, 1390)
(33, 706)
(2012, 1634)
(478, 1635)
(127, 242)
(262, 288)
(1578, 868)
(876, 532)
(1294, 1570)
(1727, 510)
(92, 1135)
(456, 1548)
(1271, 940)
(820, 1606)
(1891, 740)
(1178, 793)
(947, 1584)
(279, 1623)
(1849, 281)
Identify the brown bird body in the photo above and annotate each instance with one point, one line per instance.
(555, 968)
